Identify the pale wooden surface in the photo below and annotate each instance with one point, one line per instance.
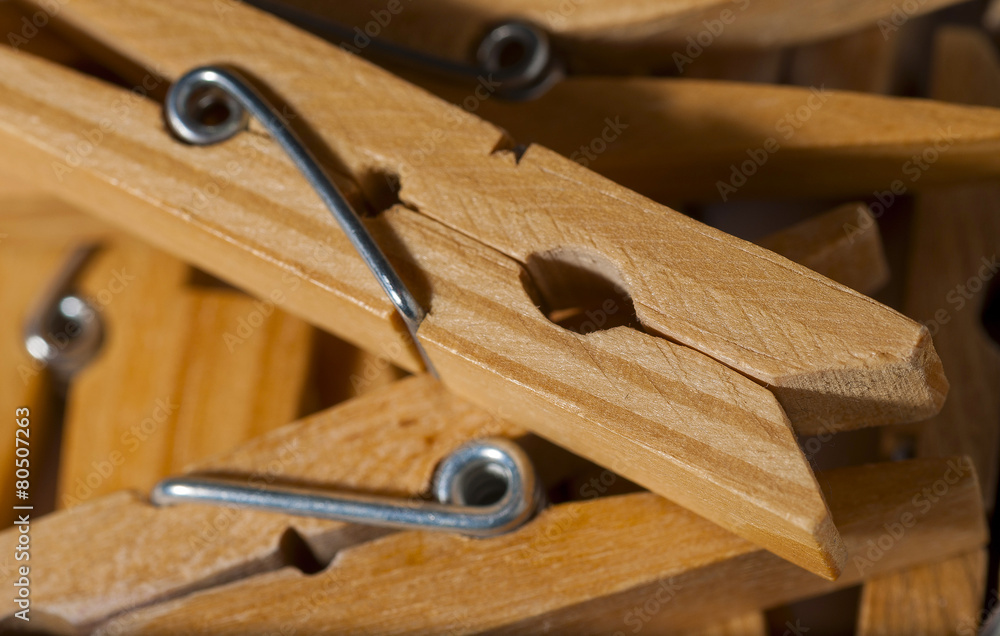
(935, 599)
(505, 584)
(178, 377)
(536, 205)
(388, 441)
(244, 461)
(232, 392)
(953, 229)
(377, 467)
(856, 260)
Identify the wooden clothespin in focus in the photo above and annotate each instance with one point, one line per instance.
(700, 406)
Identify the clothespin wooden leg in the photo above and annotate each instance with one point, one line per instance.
(760, 141)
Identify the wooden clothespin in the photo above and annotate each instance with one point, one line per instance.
(696, 571)
(118, 565)
(538, 220)
(399, 421)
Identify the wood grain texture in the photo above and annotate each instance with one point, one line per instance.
(615, 37)
(935, 599)
(376, 470)
(954, 230)
(538, 205)
(184, 372)
(826, 245)
(686, 567)
(116, 553)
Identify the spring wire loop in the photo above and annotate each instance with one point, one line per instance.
(206, 86)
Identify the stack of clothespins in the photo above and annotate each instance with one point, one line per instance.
(564, 316)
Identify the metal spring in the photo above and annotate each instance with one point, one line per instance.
(224, 90)
(484, 488)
